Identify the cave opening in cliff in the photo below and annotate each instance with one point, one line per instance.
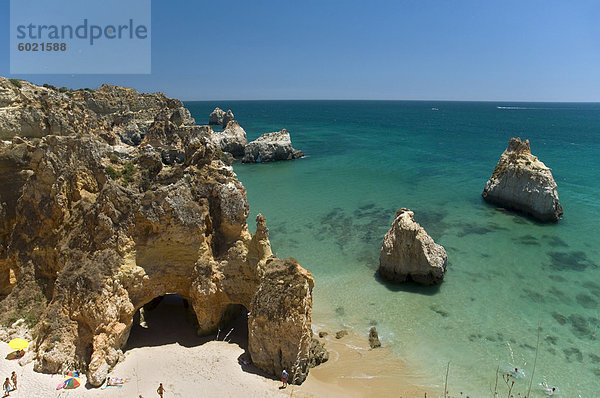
(171, 319)
(233, 327)
(164, 320)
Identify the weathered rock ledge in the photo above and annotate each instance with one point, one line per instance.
(95, 225)
(408, 253)
(522, 182)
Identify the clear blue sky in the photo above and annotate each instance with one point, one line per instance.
(380, 49)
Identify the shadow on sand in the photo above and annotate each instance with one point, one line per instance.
(172, 321)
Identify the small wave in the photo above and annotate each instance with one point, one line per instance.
(358, 377)
(353, 347)
(513, 107)
(337, 356)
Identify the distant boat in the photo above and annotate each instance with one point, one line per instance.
(434, 109)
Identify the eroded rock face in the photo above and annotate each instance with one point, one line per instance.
(232, 139)
(27, 110)
(318, 353)
(522, 182)
(92, 230)
(271, 147)
(409, 253)
(129, 114)
(285, 343)
(112, 112)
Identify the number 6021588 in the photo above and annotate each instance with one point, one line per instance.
(42, 47)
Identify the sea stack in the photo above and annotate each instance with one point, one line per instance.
(374, 338)
(95, 226)
(408, 253)
(524, 183)
(271, 147)
(219, 117)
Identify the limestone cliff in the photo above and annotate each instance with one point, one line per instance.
(523, 183)
(31, 111)
(114, 198)
(409, 253)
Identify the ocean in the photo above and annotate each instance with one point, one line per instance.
(506, 273)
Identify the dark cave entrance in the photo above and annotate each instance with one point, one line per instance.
(171, 319)
(233, 327)
(168, 319)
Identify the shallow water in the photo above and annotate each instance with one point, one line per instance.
(366, 159)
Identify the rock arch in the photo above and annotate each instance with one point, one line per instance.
(99, 229)
(277, 293)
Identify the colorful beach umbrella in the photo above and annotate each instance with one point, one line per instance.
(72, 382)
(18, 344)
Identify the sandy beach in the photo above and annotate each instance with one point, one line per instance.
(169, 352)
(355, 370)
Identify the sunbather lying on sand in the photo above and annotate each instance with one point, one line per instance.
(115, 381)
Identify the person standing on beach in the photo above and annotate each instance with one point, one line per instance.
(160, 390)
(6, 387)
(284, 377)
(13, 378)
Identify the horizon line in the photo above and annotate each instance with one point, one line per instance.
(390, 100)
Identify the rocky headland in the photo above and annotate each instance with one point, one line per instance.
(408, 253)
(110, 199)
(522, 182)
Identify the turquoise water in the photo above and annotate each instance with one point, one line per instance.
(366, 159)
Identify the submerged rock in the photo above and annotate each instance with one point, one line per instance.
(374, 338)
(232, 139)
(522, 182)
(408, 253)
(271, 147)
(341, 333)
(93, 229)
